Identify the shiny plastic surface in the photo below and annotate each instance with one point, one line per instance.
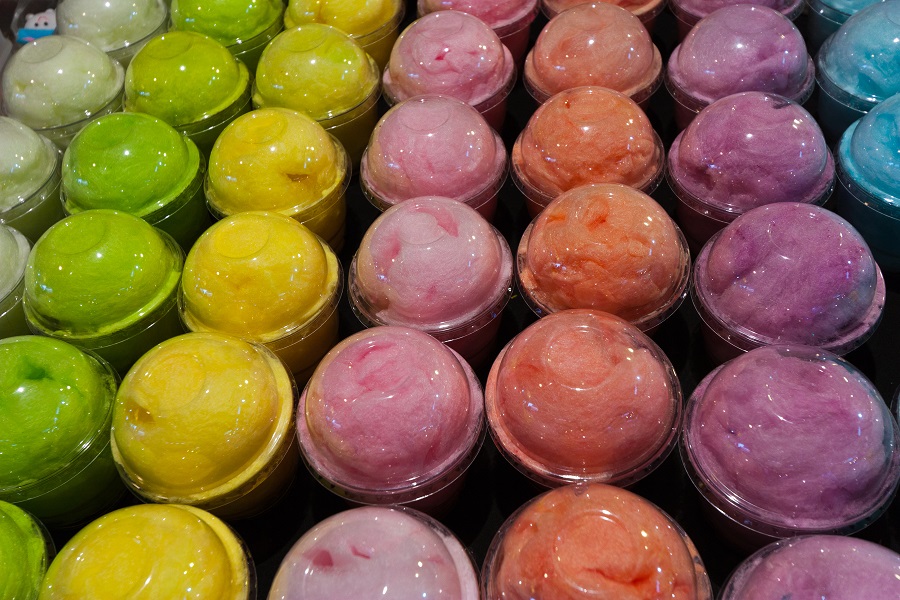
(376, 551)
(869, 156)
(26, 550)
(110, 25)
(645, 10)
(14, 250)
(789, 440)
(356, 19)
(589, 541)
(27, 162)
(691, 11)
(503, 16)
(229, 21)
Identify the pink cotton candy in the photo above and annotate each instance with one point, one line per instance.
(496, 13)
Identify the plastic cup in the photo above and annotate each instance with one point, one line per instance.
(824, 17)
(742, 48)
(689, 12)
(596, 44)
(434, 264)
(434, 146)
(592, 540)
(608, 400)
(118, 28)
(26, 548)
(105, 281)
(168, 551)
(607, 247)
(279, 160)
(243, 458)
(452, 53)
(60, 400)
(787, 273)
(318, 70)
(191, 82)
(138, 164)
(29, 188)
(645, 10)
(57, 84)
(266, 279)
(359, 552)
(790, 440)
(732, 158)
(14, 249)
(581, 136)
(869, 175)
(391, 416)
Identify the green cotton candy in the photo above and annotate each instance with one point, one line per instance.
(226, 21)
(23, 554)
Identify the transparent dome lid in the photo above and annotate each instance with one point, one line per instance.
(27, 162)
(500, 15)
(14, 250)
(356, 19)
(694, 10)
(870, 155)
(229, 22)
(110, 25)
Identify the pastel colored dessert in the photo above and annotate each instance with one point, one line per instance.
(609, 399)
(374, 24)
(106, 281)
(264, 278)
(741, 48)
(25, 552)
(152, 551)
(732, 158)
(279, 160)
(594, 44)
(787, 273)
(56, 84)
(318, 70)
(138, 164)
(869, 194)
(454, 54)
(689, 12)
(14, 249)
(390, 416)
(585, 135)
(118, 28)
(29, 180)
(241, 460)
(645, 10)
(827, 566)
(436, 265)
(60, 400)
(858, 67)
(788, 440)
(434, 146)
(359, 552)
(191, 82)
(825, 17)
(606, 247)
(593, 541)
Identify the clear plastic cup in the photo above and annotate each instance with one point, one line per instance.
(732, 158)
(645, 10)
(689, 12)
(787, 273)
(391, 416)
(824, 17)
(27, 549)
(571, 256)
(790, 440)
(585, 135)
(162, 551)
(60, 400)
(359, 552)
(14, 249)
(434, 146)
(243, 458)
(434, 264)
(138, 164)
(118, 28)
(562, 376)
(265, 278)
(592, 540)
(105, 281)
(455, 54)
(741, 48)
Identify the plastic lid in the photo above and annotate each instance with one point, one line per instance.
(274, 159)
(432, 146)
(594, 44)
(27, 161)
(184, 77)
(691, 11)
(846, 8)
(130, 162)
(869, 155)
(159, 551)
(14, 250)
(60, 400)
(790, 273)
(587, 135)
(315, 69)
(98, 272)
(640, 8)
(792, 439)
(593, 540)
(360, 552)
(357, 19)
(110, 25)
(430, 263)
(740, 48)
(390, 415)
(258, 276)
(578, 369)
(59, 80)
(496, 13)
(229, 21)
(26, 549)
(732, 156)
(450, 53)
